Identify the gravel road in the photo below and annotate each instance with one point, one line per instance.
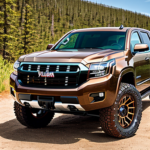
(66, 132)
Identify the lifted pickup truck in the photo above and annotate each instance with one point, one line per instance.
(102, 72)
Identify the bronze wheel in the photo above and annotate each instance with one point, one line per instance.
(126, 111)
(122, 119)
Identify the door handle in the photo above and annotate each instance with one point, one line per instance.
(147, 58)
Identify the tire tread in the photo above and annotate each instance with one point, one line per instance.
(107, 115)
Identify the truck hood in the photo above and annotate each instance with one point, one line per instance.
(87, 56)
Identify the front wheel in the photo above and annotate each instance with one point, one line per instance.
(122, 119)
(32, 118)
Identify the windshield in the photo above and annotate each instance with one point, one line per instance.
(93, 40)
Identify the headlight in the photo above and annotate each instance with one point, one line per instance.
(16, 66)
(100, 69)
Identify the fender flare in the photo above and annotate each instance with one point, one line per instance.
(124, 72)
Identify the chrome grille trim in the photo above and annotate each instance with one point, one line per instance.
(57, 68)
(51, 68)
(47, 69)
(38, 68)
(68, 68)
(29, 68)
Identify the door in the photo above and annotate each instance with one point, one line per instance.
(141, 63)
(146, 40)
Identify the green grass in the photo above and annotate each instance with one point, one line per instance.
(6, 69)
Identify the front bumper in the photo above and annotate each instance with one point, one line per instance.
(107, 84)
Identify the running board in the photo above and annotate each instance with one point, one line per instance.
(145, 94)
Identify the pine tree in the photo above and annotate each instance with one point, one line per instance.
(8, 27)
(28, 29)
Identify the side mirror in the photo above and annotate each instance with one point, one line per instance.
(49, 46)
(141, 47)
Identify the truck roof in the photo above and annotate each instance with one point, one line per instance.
(106, 29)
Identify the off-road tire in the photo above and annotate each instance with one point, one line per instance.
(25, 117)
(109, 116)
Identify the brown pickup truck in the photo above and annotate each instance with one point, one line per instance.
(102, 72)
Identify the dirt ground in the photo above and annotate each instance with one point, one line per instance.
(66, 132)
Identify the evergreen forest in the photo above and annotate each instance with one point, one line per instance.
(30, 25)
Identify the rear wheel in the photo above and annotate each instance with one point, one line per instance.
(122, 119)
(32, 118)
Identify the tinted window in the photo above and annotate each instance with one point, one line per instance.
(134, 40)
(146, 38)
(93, 40)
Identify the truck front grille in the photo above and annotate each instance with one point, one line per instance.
(64, 75)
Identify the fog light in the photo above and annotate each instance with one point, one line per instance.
(101, 94)
(97, 96)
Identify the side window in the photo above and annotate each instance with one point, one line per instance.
(135, 39)
(146, 38)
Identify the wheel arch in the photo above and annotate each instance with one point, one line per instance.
(127, 75)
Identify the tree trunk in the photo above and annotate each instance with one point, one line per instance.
(52, 26)
(21, 18)
(25, 30)
(5, 30)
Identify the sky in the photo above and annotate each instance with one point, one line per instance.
(140, 6)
